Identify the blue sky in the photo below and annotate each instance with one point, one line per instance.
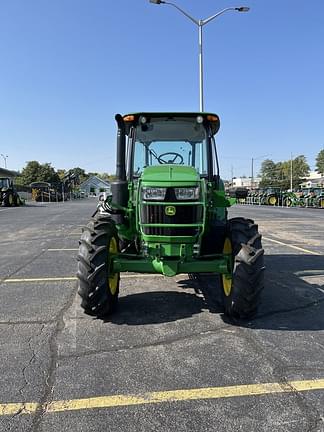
(68, 66)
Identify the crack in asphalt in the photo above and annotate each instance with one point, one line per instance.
(30, 261)
(165, 342)
(279, 372)
(29, 363)
(50, 378)
(16, 323)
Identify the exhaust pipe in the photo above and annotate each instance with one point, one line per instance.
(119, 187)
(121, 149)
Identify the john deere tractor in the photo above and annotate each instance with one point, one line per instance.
(167, 214)
(8, 194)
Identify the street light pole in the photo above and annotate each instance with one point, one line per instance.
(201, 67)
(5, 157)
(200, 23)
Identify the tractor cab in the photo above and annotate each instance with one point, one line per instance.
(5, 183)
(182, 139)
(167, 177)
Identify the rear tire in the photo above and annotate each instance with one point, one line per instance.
(272, 200)
(9, 199)
(242, 296)
(320, 203)
(287, 202)
(98, 286)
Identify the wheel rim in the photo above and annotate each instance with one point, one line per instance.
(113, 279)
(226, 278)
(272, 200)
(10, 199)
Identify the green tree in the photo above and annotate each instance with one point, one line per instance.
(34, 171)
(279, 174)
(106, 176)
(300, 170)
(79, 174)
(320, 163)
(268, 173)
(48, 174)
(61, 173)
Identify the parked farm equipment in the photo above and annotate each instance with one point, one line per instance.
(168, 215)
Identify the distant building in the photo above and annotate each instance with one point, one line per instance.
(94, 186)
(246, 182)
(313, 175)
(313, 180)
(313, 183)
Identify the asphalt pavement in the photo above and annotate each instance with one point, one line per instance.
(168, 359)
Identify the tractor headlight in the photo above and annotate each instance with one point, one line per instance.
(153, 193)
(187, 193)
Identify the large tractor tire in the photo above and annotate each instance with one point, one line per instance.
(272, 200)
(98, 286)
(9, 199)
(287, 202)
(16, 200)
(242, 289)
(320, 202)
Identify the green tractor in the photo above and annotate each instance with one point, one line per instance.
(8, 195)
(167, 214)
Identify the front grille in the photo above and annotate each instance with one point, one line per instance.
(155, 214)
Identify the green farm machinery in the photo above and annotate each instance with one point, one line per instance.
(167, 214)
(313, 197)
(8, 195)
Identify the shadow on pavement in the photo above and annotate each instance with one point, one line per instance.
(292, 300)
(293, 297)
(157, 307)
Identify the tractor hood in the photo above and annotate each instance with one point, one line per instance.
(170, 174)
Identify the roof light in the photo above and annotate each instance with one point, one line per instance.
(200, 119)
(212, 118)
(143, 119)
(129, 118)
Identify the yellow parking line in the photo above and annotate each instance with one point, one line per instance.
(291, 246)
(166, 396)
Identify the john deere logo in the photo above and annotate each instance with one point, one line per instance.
(170, 210)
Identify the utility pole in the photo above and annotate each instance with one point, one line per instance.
(200, 23)
(291, 172)
(252, 174)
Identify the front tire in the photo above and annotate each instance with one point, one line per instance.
(98, 285)
(242, 289)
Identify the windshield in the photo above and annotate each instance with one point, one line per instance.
(4, 183)
(180, 141)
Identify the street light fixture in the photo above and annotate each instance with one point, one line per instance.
(5, 157)
(200, 23)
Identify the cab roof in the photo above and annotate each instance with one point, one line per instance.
(211, 118)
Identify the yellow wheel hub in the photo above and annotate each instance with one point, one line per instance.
(272, 200)
(113, 279)
(226, 278)
(321, 203)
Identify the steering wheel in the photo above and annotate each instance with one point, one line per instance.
(170, 161)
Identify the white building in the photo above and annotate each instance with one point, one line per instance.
(313, 180)
(246, 182)
(94, 186)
